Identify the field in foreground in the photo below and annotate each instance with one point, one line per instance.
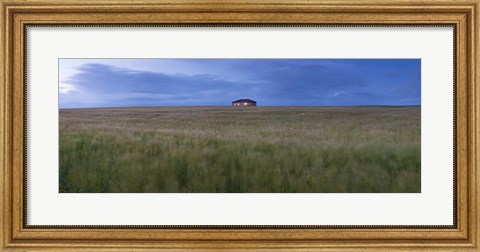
(240, 149)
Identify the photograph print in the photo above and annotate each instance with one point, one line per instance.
(239, 125)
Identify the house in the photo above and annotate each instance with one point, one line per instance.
(244, 102)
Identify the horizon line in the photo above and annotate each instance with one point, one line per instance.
(143, 106)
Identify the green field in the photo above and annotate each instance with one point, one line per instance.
(240, 149)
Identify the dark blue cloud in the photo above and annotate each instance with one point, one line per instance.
(271, 82)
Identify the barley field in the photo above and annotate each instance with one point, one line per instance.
(240, 150)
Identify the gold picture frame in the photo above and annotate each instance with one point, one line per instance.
(17, 14)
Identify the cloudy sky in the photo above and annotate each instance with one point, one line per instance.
(85, 83)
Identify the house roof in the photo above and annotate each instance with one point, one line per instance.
(245, 100)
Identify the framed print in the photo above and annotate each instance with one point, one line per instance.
(244, 125)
